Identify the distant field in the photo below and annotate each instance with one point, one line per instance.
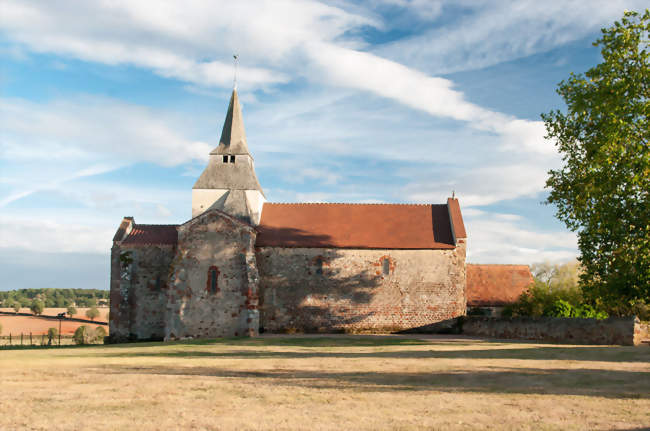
(16, 324)
(328, 382)
(81, 312)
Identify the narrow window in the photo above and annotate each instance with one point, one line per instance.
(225, 159)
(386, 266)
(213, 280)
(232, 159)
(319, 265)
(158, 283)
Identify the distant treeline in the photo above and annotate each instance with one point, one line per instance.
(55, 297)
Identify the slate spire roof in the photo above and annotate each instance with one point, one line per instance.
(226, 175)
(233, 135)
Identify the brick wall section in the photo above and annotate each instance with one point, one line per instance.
(138, 292)
(613, 331)
(325, 289)
(213, 244)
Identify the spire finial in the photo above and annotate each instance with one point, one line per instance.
(236, 60)
(453, 194)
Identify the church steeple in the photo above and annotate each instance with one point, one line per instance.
(233, 135)
(229, 182)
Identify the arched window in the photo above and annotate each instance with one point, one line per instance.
(213, 280)
(386, 266)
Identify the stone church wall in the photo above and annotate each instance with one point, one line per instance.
(139, 280)
(353, 290)
(213, 292)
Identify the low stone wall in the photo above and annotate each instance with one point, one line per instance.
(625, 331)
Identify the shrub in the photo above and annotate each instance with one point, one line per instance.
(52, 333)
(16, 307)
(100, 334)
(87, 335)
(83, 335)
(560, 308)
(72, 310)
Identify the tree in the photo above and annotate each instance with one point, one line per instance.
(100, 334)
(602, 190)
(16, 307)
(82, 335)
(92, 313)
(37, 307)
(72, 310)
(52, 333)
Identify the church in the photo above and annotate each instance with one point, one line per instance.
(242, 265)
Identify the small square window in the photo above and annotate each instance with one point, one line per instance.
(232, 159)
(225, 159)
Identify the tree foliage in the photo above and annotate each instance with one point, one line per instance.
(602, 190)
(92, 313)
(87, 335)
(72, 310)
(37, 307)
(60, 298)
(555, 292)
(52, 333)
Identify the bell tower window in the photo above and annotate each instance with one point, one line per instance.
(225, 159)
(232, 159)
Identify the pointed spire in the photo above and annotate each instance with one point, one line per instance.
(233, 136)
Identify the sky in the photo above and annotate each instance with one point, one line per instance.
(110, 108)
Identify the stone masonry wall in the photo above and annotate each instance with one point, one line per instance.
(355, 290)
(139, 280)
(213, 292)
(615, 330)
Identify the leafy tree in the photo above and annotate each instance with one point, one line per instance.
(100, 334)
(72, 310)
(16, 307)
(52, 333)
(92, 313)
(82, 335)
(37, 307)
(602, 190)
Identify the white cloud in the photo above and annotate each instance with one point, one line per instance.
(48, 145)
(505, 238)
(494, 31)
(38, 234)
(176, 39)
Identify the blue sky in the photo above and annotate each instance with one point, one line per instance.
(109, 109)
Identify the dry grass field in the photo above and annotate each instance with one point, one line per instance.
(327, 382)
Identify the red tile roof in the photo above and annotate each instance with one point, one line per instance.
(390, 226)
(159, 234)
(456, 218)
(495, 285)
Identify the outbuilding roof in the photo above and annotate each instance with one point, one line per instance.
(380, 226)
(496, 285)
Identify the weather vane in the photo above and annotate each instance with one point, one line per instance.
(236, 60)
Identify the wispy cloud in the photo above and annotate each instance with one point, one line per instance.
(489, 32)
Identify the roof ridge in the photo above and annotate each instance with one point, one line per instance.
(149, 224)
(351, 203)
